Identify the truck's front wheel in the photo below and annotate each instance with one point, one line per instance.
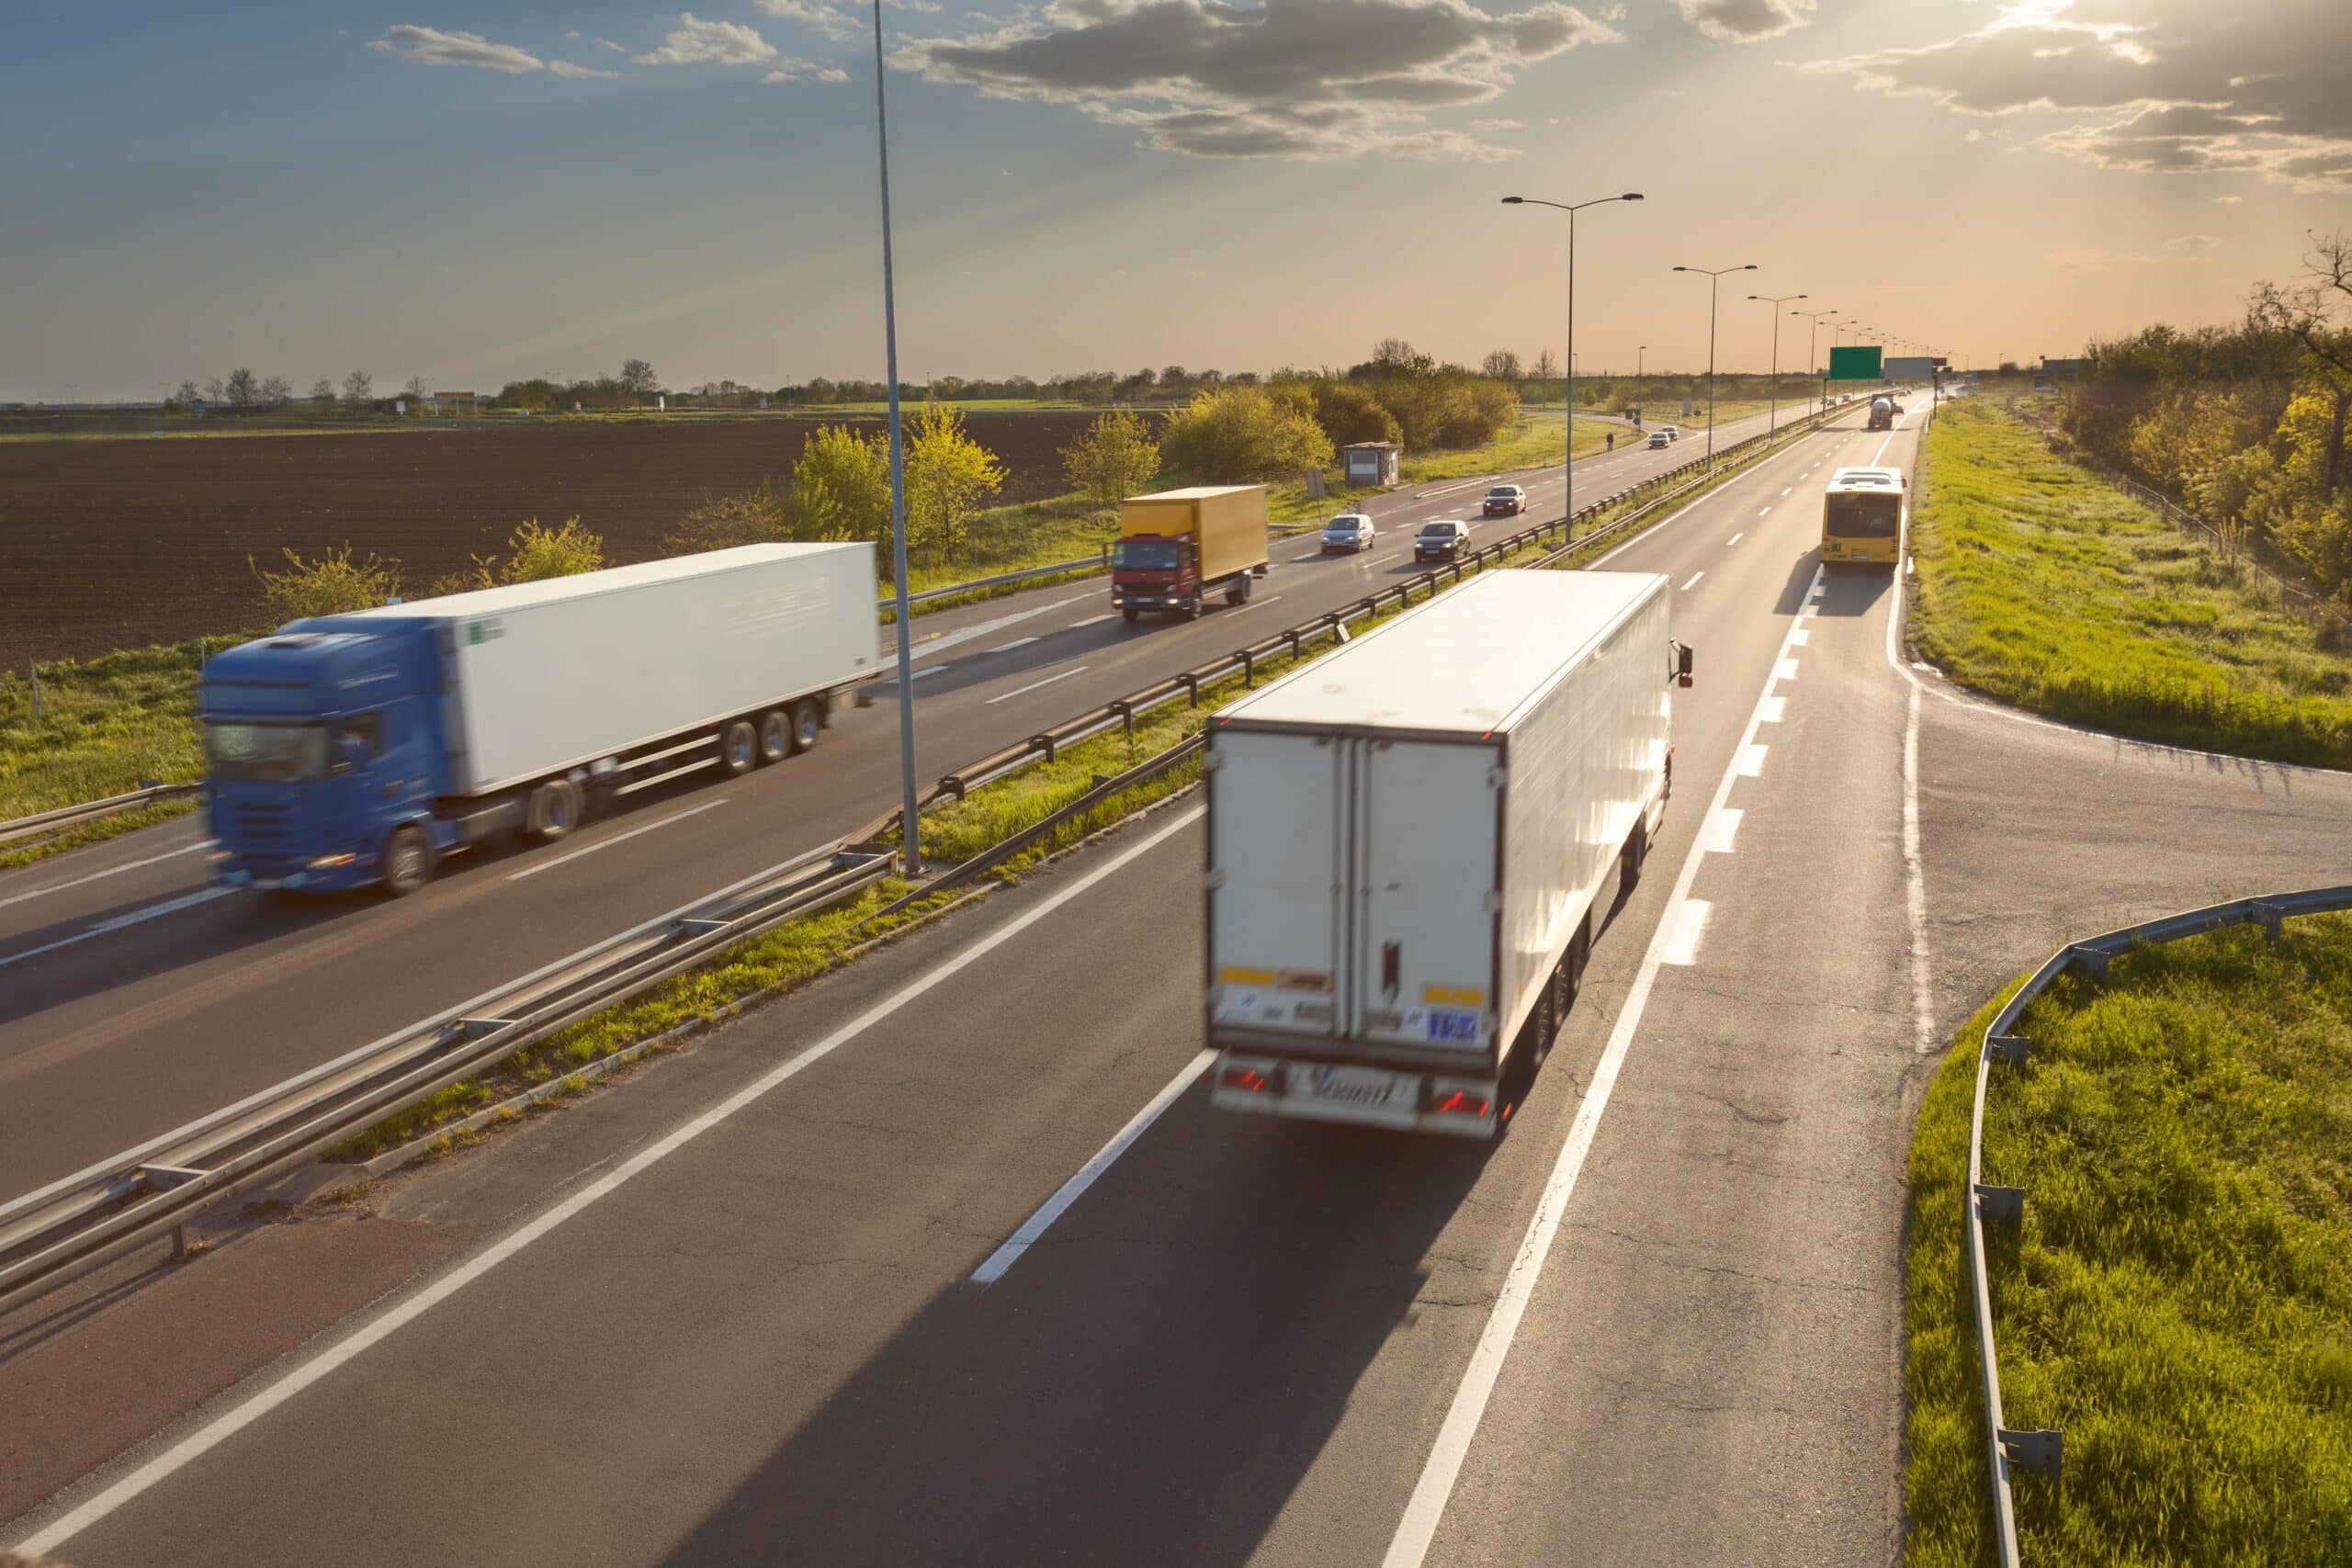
(553, 810)
(738, 749)
(408, 861)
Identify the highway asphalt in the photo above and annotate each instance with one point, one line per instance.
(135, 997)
(729, 1313)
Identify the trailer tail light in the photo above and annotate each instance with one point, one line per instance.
(1460, 1102)
(1248, 1080)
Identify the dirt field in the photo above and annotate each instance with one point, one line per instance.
(119, 544)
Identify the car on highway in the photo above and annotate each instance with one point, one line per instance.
(1442, 540)
(1506, 501)
(1348, 531)
(1660, 440)
(1671, 432)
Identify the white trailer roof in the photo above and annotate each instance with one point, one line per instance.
(1466, 660)
(1195, 492)
(614, 578)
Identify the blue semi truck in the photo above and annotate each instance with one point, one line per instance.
(366, 747)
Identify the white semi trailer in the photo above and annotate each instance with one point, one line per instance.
(1409, 840)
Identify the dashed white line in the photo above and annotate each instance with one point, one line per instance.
(1694, 577)
(934, 669)
(110, 871)
(1009, 646)
(1064, 675)
(946, 640)
(1800, 636)
(537, 867)
(1716, 837)
(1094, 620)
(139, 917)
(1786, 670)
(1689, 923)
(1786, 492)
(1736, 538)
(1751, 761)
(1764, 511)
(1775, 709)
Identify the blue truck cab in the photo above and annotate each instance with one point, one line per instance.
(324, 753)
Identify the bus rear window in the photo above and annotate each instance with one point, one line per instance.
(1864, 516)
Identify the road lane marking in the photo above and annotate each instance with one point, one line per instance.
(1426, 1509)
(935, 670)
(1002, 1260)
(1775, 709)
(110, 871)
(1764, 511)
(1751, 761)
(946, 640)
(1094, 620)
(1786, 670)
(1786, 492)
(304, 1373)
(1694, 577)
(1009, 646)
(1064, 675)
(1736, 538)
(1722, 827)
(121, 922)
(534, 870)
(1690, 924)
(1267, 600)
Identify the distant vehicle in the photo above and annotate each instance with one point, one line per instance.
(1882, 413)
(1413, 842)
(1348, 531)
(1862, 516)
(1660, 440)
(361, 747)
(1177, 548)
(1506, 501)
(1441, 541)
(1671, 432)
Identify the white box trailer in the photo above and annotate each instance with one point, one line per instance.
(1408, 839)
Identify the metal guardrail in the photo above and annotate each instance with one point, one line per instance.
(50, 1238)
(2041, 1451)
(61, 1232)
(65, 816)
(1003, 580)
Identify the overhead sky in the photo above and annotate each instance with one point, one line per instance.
(476, 190)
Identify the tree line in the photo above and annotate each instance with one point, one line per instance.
(2245, 424)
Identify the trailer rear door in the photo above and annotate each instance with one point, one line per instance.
(1277, 819)
(1425, 840)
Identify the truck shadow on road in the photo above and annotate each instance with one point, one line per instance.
(1152, 1382)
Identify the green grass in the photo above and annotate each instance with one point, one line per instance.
(2178, 1300)
(2044, 586)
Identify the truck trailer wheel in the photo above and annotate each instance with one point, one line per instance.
(1238, 595)
(408, 861)
(553, 811)
(738, 749)
(807, 722)
(776, 735)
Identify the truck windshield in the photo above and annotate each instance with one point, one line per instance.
(1863, 516)
(1152, 555)
(267, 753)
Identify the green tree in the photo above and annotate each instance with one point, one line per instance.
(841, 488)
(333, 584)
(534, 553)
(1114, 459)
(242, 387)
(748, 517)
(1349, 414)
(1247, 433)
(950, 479)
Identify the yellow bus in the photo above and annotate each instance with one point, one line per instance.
(1863, 515)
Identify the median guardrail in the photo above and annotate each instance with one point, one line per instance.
(40, 824)
(55, 1235)
(2041, 1451)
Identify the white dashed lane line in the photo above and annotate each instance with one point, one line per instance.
(1736, 538)
(1017, 691)
(1094, 620)
(1693, 582)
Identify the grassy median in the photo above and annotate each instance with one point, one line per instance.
(2178, 1300)
(2042, 585)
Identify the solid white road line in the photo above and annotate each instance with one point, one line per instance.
(1716, 837)
(1690, 924)
(110, 871)
(1785, 670)
(136, 918)
(1064, 675)
(1426, 1508)
(1094, 620)
(1009, 646)
(1751, 761)
(537, 867)
(1775, 709)
(1803, 636)
(1693, 582)
(1022, 1240)
(1736, 538)
(305, 1372)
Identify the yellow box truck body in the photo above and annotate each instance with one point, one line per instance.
(1178, 547)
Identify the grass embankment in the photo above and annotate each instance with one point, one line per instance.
(2044, 586)
(2178, 1300)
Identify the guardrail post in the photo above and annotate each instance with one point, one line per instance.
(2268, 917)
(2008, 1047)
(2040, 1450)
(2091, 961)
(1249, 668)
(1191, 688)
(1126, 713)
(1044, 743)
(2000, 1205)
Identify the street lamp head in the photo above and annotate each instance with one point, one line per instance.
(1631, 196)
(1682, 269)
(1749, 267)
(1513, 200)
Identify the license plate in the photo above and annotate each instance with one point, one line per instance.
(1353, 1086)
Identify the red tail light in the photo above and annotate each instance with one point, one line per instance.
(1247, 1078)
(1460, 1103)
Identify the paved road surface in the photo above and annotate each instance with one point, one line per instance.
(729, 1314)
(135, 997)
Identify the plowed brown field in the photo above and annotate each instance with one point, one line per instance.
(119, 544)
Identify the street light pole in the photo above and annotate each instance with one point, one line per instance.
(1568, 415)
(1641, 392)
(1712, 277)
(1773, 397)
(1811, 348)
(909, 818)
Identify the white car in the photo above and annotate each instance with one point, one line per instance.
(1660, 440)
(1348, 531)
(1672, 432)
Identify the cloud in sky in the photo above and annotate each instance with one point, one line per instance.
(2176, 87)
(1746, 21)
(1283, 79)
(830, 20)
(431, 46)
(695, 41)
(2194, 243)
(790, 70)
(570, 73)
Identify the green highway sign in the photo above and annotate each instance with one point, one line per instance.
(1857, 364)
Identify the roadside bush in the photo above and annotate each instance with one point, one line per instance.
(1247, 433)
(840, 489)
(950, 479)
(1350, 413)
(1115, 458)
(721, 523)
(533, 552)
(333, 584)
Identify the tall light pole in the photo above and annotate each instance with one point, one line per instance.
(1773, 397)
(1712, 277)
(1812, 355)
(1568, 418)
(909, 818)
(1640, 396)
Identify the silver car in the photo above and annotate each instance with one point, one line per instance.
(1348, 531)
